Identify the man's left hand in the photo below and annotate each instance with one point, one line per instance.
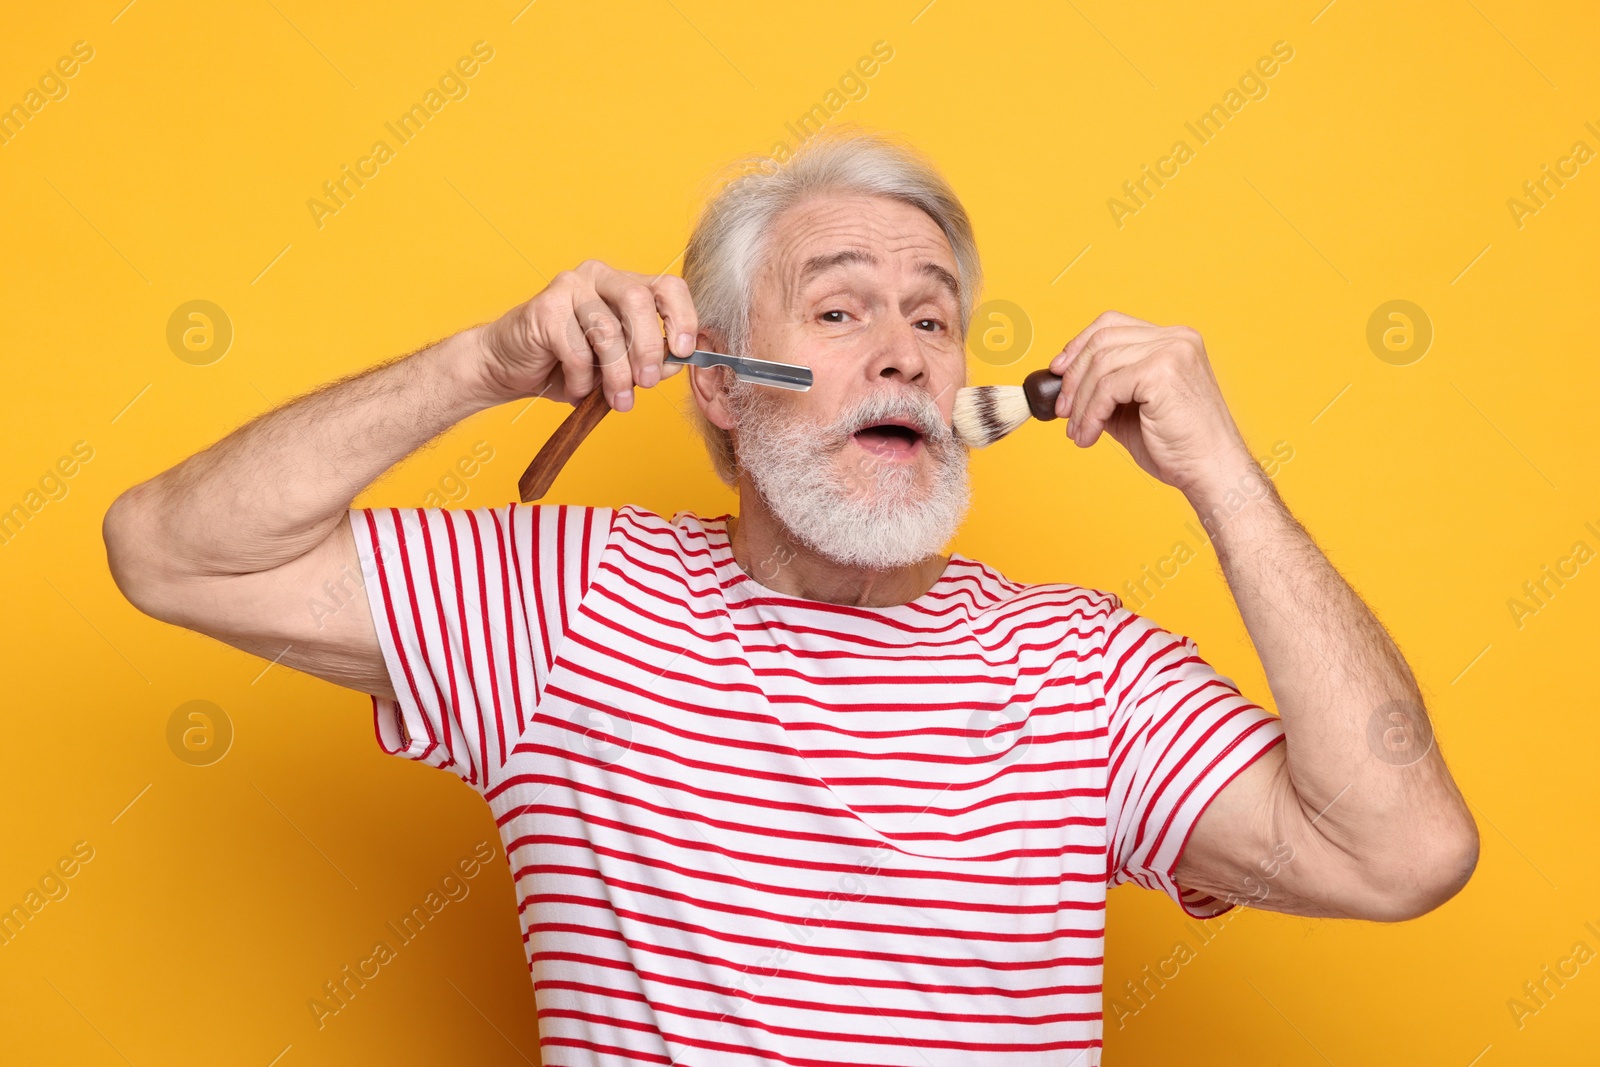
(1152, 389)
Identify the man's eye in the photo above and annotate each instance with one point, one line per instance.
(935, 322)
(825, 315)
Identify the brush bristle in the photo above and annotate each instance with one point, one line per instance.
(985, 413)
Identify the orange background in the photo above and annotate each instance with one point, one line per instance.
(1378, 166)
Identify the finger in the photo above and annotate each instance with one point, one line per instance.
(677, 311)
(606, 349)
(1102, 320)
(1096, 347)
(563, 337)
(1104, 361)
(676, 308)
(1125, 385)
(636, 302)
(627, 314)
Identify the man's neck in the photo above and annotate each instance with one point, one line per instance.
(768, 553)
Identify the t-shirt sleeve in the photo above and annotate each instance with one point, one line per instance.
(1179, 733)
(470, 606)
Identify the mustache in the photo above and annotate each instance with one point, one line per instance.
(911, 405)
(761, 411)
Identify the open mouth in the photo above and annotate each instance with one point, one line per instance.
(890, 440)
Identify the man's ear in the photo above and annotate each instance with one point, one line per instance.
(709, 384)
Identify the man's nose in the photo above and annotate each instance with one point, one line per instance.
(898, 353)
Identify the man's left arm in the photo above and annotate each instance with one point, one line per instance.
(1355, 814)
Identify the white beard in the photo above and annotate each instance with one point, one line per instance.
(873, 514)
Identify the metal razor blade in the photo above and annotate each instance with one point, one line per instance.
(760, 371)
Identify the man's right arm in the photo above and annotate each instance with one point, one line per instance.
(238, 541)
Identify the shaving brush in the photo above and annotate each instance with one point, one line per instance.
(985, 413)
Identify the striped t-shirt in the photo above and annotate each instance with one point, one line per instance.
(749, 828)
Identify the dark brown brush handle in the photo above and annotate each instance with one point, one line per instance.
(536, 480)
(1042, 387)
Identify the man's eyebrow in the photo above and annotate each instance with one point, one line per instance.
(820, 264)
(944, 278)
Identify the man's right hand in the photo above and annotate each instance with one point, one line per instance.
(595, 320)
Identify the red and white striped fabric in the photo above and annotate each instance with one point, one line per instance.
(748, 828)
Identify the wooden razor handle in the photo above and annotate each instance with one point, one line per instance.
(536, 480)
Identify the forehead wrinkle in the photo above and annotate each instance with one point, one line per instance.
(835, 222)
(815, 231)
(826, 262)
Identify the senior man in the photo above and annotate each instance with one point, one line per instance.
(793, 786)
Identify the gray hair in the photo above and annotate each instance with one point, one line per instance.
(729, 243)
